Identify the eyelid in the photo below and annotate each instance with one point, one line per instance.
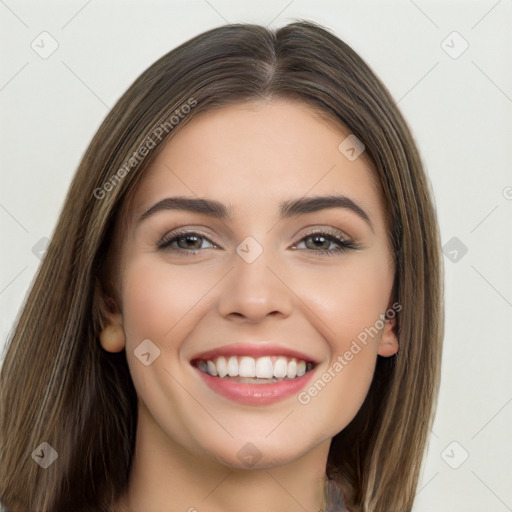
(334, 235)
(318, 228)
(339, 237)
(313, 228)
(183, 231)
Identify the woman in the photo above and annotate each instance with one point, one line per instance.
(241, 305)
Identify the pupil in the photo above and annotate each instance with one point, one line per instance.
(320, 239)
(188, 238)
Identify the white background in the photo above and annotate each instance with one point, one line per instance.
(459, 110)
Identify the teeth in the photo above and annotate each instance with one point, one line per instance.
(247, 367)
(267, 367)
(291, 371)
(280, 368)
(212, 369)
(222, 367)
(264, 368)
(233, 366)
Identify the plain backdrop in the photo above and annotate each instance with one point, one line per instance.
(447, 64)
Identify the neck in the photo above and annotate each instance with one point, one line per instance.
(167, 478)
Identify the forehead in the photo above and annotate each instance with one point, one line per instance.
(259, 153)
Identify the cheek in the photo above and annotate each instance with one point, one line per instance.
(349, 303)
(162, 303)
(159, 300)
(347, 298)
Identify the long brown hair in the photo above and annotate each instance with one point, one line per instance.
(60, 387)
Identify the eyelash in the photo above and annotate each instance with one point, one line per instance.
(343, 244)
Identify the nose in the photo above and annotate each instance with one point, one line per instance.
(252, 291)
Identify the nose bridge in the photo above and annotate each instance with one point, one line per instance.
(253, 288)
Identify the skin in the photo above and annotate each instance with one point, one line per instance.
(250, 156)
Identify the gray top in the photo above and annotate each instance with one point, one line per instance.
(334, 500)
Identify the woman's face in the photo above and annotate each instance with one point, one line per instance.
(255, 282)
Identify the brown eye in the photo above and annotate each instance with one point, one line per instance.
(319, 242)
(184, 242)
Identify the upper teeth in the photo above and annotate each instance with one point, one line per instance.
(265, 367)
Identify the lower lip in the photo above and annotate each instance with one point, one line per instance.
(256, 394)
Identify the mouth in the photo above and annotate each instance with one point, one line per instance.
(261, 370)
(252, 376)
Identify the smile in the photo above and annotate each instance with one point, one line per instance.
(259, 370)
(254, 374)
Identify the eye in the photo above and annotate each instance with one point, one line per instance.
(321, 242)
(184, 242)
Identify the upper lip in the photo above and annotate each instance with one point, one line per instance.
(258, 349)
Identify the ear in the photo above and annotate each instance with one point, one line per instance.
(112, 337)
(109, 322)
(388, 345)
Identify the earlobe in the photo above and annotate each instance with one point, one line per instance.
(388, 345)
(112, 337)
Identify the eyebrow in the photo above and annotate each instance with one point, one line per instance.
(287, 209)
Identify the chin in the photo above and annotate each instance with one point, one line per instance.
(258, 452)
